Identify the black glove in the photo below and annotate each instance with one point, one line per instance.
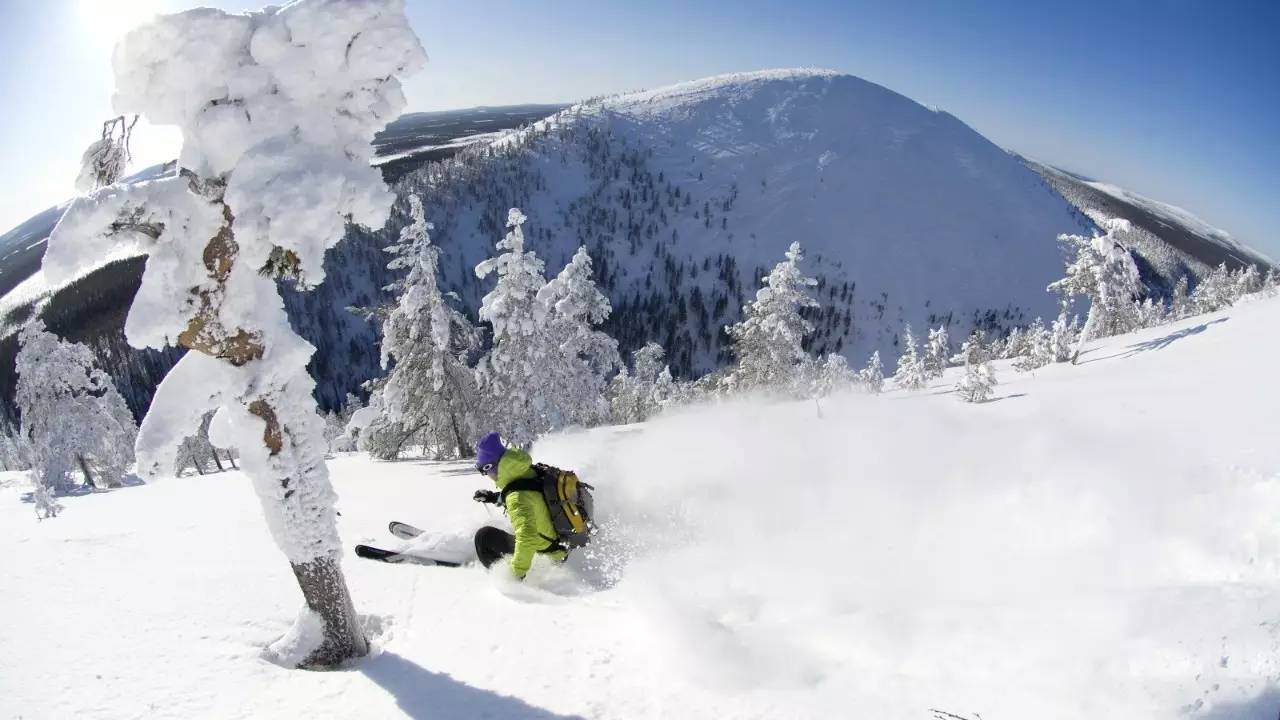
(486, 496)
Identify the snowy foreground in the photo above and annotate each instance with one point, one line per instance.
(1100, 541)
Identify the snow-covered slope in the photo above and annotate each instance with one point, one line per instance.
(907, 213)
(1098, 542)
(1168, 242)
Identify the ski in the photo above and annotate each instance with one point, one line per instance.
(391, 556)
(404, 531)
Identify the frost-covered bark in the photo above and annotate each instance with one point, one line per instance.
(73, 420)
(515, 376)
(429, 397)
(768, 342)
(277, 109)
(582, 357)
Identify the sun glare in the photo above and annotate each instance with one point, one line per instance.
(109, 20)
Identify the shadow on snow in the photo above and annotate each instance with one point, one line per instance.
(1159, 343)
(421, 694)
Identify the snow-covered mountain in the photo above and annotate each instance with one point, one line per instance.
(685, 194)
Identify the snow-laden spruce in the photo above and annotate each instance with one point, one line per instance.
(936, 352)
(769, 341)
(583, 358)
(871, 377)
(72, 417)
(277, 109)
(911, 373)
(428, 398)
(639, 393)
(979, 380)
(1104, 272)
(516, 374)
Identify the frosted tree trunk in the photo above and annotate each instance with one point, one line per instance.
(299, 508)
(84, 468)
(1089, 324)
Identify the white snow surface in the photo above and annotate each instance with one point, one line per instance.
(1099, 541)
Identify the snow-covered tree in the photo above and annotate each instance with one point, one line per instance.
(515, 376)
(106, 158)
(72, 417)
(276, 109)
(638, 394)
(1018, 342)
(1248, 281)
(832, 375)
(1065, 332)
(768, 342)
(197, 451)
(911, 373)
(1104, 272)
(1271, 282)
(583, 358)
(977, 384)
(14, 454)
(1180, 302)
(872, 376)
(979, 378)
(1037, 349)
(936, 352)
(1215, 291)
(1150, 312)
(429, 396)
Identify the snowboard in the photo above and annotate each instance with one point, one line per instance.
(390, 556)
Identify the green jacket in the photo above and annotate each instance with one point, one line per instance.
(527, 511)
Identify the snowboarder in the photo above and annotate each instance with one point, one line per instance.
(535, 533)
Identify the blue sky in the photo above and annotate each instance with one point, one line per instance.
(1174, 99)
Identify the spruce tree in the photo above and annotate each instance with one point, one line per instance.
(428, 396)
(937, 350)
(582, 357)
(911, 373)
(872, 376)
(768, 342)
(514, 376)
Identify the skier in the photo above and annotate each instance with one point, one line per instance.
(535, 533)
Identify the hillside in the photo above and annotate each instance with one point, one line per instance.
(1168, 242)
(1040, 560)
(685, 194)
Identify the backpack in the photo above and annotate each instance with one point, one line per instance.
(568, 498)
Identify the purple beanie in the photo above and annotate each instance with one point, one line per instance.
(489, 450)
